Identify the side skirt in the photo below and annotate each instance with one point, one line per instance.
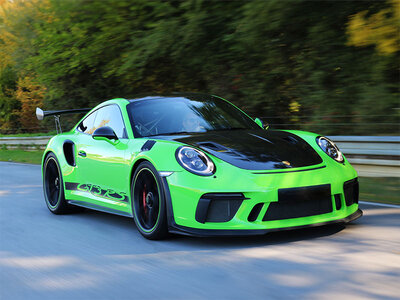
(99, 208)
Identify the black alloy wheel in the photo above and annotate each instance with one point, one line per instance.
(148, 202)
(53, 186)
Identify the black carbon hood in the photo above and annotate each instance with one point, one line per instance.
(254, 149)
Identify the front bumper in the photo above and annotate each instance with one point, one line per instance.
(185, 191)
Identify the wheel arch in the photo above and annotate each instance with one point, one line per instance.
(46, 153)
(163, 192)
(133, 169)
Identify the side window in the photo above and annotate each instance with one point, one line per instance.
(110, 115)
(86, 126)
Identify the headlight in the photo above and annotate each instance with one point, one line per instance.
(330, 148)
(194, 161)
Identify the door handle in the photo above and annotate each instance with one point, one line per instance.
(82, 153)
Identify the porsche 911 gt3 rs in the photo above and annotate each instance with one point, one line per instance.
(196, 164)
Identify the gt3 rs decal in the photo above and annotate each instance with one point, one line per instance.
(97, 191)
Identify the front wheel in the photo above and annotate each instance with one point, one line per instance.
(53, 186)
(148, 202)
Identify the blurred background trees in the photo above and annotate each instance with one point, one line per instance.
(328, 66)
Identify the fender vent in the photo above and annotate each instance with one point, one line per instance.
(69, 152)
(213, 146)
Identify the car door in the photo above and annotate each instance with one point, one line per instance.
(103, 165)
(74, 180)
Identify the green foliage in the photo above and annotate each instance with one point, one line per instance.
(8, 103)
(380, 189)
(290, 62)
(18, 155)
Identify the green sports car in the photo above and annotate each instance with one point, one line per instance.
(196, 164)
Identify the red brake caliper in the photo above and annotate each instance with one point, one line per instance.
(144, 200)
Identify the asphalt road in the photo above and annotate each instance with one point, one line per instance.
(93, 255)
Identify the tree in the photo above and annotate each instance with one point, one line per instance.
(30, 94)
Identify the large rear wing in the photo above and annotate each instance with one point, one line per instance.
(40, 114)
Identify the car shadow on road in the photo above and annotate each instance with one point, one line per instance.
(279, 237)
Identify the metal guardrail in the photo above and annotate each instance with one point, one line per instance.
(368, 150)
(31, 140)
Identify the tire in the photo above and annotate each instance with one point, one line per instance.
(53, 186)
(148, 202)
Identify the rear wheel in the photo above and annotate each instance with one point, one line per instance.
(148, 202)
(53, 186)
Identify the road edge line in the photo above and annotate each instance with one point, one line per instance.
(379, 204)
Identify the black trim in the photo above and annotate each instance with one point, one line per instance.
(100, 208)
(338, 201)
(147, 146)
(168, 202)
(105, 132)
(220, 232)
(201, 210)
(293, 171)
(300, 202)
(255, 211)
(72, 186)
(224, 196)
(351, 191)
(47, 113)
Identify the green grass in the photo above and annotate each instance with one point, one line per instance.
(32, 157)
(29, 134)
(380, 189)
(373, 189)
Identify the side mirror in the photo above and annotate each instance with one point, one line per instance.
(260, 123)
(104, 133)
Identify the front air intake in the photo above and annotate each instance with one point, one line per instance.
(218, 207)
(351, 191)
(300, 202)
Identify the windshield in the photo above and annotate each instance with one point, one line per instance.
(175, 115)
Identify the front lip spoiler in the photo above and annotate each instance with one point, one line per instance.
(175, 228)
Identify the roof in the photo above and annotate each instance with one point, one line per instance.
(171, 95)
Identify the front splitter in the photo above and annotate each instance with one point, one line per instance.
(175, 228)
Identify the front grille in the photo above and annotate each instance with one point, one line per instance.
(255, 212)
(351, 189)
(218, 207)
(300, 202)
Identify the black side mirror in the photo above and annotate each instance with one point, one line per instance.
(104, 133)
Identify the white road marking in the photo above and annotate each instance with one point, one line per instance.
(380, 204)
